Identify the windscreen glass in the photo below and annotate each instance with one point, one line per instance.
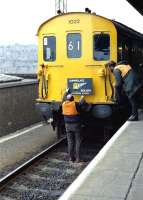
(49, 48)
(101, 47)
(74, 45)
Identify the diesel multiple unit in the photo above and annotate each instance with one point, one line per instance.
(73, 49)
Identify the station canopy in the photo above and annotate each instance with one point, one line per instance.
(137, 4)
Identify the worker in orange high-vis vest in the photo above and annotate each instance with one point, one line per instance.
(71, 112)
(126, 80)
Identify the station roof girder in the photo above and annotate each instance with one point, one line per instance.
(137, 4)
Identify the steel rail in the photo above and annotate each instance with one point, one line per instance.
(5, 180)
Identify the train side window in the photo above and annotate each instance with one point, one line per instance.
(49, 48)
(74, 45)
(101, 46)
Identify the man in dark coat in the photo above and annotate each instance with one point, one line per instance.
(125, 79)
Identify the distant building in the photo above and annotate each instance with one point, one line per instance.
(18, 59)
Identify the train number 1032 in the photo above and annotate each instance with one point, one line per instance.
(74, 21)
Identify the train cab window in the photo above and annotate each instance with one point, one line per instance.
(74, 45)
(49, 48)
(101, 46)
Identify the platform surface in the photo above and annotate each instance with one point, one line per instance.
(116, 173)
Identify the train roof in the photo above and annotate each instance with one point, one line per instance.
(127, 30)
(69, 13)
(119, 26)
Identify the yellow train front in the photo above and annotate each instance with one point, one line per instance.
(73, 49)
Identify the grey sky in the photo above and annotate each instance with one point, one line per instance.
(20, 19)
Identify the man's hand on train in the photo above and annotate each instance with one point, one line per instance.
(81, 98)
(67, 90)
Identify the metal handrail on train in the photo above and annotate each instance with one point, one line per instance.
(112, 88)
(111, 85)
(44, 87)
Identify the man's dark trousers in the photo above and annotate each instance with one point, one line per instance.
(74, 140)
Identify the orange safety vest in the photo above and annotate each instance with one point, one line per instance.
(124, 69)
(69, 108)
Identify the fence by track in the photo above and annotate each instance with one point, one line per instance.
(17, 100)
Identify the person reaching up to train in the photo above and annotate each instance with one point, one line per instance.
(127, 81)
(72, 119)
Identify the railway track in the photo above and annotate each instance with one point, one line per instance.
(48, 177)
